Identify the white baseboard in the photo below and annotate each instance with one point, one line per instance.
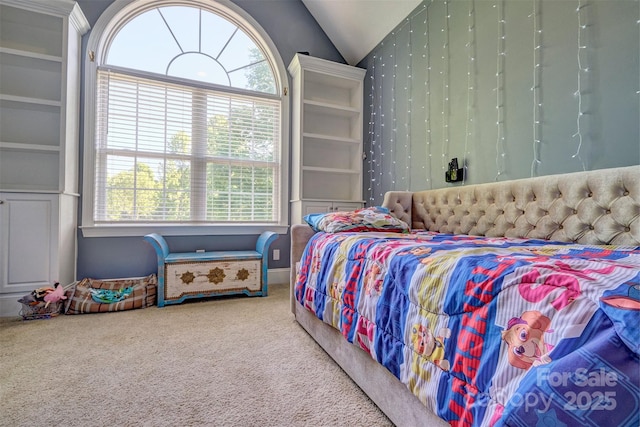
(10, 307)
(278, 275)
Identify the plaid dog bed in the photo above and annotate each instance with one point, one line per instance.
(87, 295)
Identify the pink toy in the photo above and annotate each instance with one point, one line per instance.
(55, 296)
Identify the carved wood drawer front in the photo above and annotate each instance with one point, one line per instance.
(210, 277)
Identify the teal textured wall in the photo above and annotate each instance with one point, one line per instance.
(498, 84)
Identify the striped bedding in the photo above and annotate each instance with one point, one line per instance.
(488, 331)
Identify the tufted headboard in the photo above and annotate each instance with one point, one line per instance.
(594, 207)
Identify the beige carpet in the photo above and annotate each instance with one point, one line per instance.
(226, 362)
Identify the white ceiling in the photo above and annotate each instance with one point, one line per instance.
(357, 26)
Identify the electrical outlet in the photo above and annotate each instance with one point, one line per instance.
(276, 254)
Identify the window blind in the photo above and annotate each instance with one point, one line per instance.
(175, 153)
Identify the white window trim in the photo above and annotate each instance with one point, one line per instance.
(118, 12)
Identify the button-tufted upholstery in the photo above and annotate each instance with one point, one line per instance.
(594, 207)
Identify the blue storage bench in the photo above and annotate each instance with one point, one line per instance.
(183, 275)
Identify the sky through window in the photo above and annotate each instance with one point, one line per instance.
(193, 44)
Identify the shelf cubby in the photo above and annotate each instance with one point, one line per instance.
(30, 77)
(331, 184)
(31, 31)
(17, 171)
(338, 123)
(331, 153)
(323, 88)
(43, 120)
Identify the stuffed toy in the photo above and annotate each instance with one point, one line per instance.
(55, 296)
(39, 294)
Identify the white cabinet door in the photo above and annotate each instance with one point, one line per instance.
(321, 207)
(28, 242)
(316, 207)
(342, 206)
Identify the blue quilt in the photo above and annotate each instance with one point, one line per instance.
(488, 331)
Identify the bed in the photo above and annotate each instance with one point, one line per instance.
(507, 303)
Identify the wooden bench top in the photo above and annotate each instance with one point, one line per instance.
(211, 256)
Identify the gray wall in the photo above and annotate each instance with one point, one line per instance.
(409, 150)
(415, 69)
(292, 29)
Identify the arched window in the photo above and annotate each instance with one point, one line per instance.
(186, 121)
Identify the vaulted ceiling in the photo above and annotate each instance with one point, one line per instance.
(357, 26)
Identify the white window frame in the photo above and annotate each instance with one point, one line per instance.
(119, 12)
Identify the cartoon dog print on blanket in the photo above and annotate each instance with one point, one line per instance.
(430, 346)
(525, 339)
(427, 350)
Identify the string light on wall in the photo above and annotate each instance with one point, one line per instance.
(376, 126)
(381, 118)
(372, 133)
(469, 124)
(383, 163)
(445, 87)
(407, 126)
(427, 104)
(500, 60)
(578, 93)
(394, 118)
(535, 88)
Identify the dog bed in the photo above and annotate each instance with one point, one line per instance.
(100, 296)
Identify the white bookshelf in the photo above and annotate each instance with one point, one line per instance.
(40, 44)
(327, 102)
(39, 94)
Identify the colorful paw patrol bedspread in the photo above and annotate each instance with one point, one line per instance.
(488, 331)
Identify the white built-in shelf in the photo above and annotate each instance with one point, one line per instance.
(30, 100)
(29, 54)
(330, 170)
(38, 191)
(334, 109)
(40, 48)
(29, 169)
(40, 44)
(321, 86)
(26, 122)
(27, 29)
(327, 136)
(17, 146)
(28, 76)
(309, 135)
